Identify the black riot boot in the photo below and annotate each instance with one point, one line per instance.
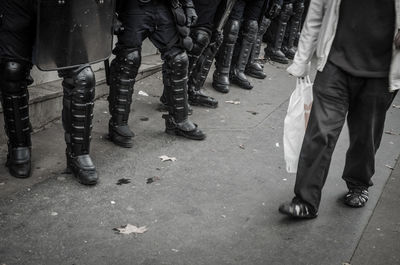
(276, 34)
(254, 68)
(15, 98)
(177, 122)
(242, 54)
(123, 71)
(77, 115)
(224, 57)
(201, 40)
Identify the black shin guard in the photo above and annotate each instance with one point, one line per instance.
(123, 71)
(77, 115)
(242, 54)
(197, 70)
(175, 75)
(14, 78)
(224, 57)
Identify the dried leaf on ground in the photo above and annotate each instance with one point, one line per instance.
(242, 146)
(153, 179)
(234, 102)
(391, 133)
(123, 181)
(142, 93)
(167, 158)
(396, 106)
(389, 167)
(130, 229)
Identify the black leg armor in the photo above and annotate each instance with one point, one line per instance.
(201, 41)
(175, 80)
(224, 56)
(77, 115)
(293, 30)
(123, 71)
(15, 98)
(254, 68)
(242, 54)
(276, 34)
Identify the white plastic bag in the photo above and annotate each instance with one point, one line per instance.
(296, 121)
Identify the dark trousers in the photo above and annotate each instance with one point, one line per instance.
(337, 94)
(154, 21)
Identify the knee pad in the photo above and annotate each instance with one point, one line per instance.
(286, 13)
(251, 27)
(179, 65)
(79, 78)
(127, 61)
(201, 39)
(12, 74)
(231, 31)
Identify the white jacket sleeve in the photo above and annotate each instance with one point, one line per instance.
(308, 39)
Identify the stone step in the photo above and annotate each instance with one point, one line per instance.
(45, 103)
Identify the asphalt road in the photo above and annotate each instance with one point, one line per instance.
(216, 204)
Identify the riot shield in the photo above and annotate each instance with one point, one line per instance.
(73, 32)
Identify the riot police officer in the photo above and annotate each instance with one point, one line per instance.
(207, 37)
(276, 32)
(293, 29)
(17, 36)
(168, 31)
(246, 53)
(249, 12)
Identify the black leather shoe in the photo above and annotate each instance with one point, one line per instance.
(297, 209)
(356, 197)
(198, 98)
(276, 56)
(19, 162)
(256, 71)
(221, 82)
(120, 135)
(186, 128)
(83, 169)
(240, 80)
(289, 53)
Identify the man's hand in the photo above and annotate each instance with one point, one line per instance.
(191, 16)
(397, 40)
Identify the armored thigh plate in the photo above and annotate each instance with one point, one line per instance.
(73, 32)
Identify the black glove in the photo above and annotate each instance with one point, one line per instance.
(275, 9)
(191, 16)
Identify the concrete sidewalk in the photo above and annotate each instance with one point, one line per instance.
(217, 204)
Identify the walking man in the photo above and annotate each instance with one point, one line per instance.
(353, 81)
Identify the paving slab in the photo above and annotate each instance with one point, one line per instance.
(217, 204)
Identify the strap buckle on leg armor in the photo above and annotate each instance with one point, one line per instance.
(78, 103)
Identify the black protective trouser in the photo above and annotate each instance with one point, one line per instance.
(337, 94)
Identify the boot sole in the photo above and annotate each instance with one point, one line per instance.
(15, 175)
(192, 103)
(256, 76)
(183, 134)
(219, 89)
(118, 143)
(241, 85)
